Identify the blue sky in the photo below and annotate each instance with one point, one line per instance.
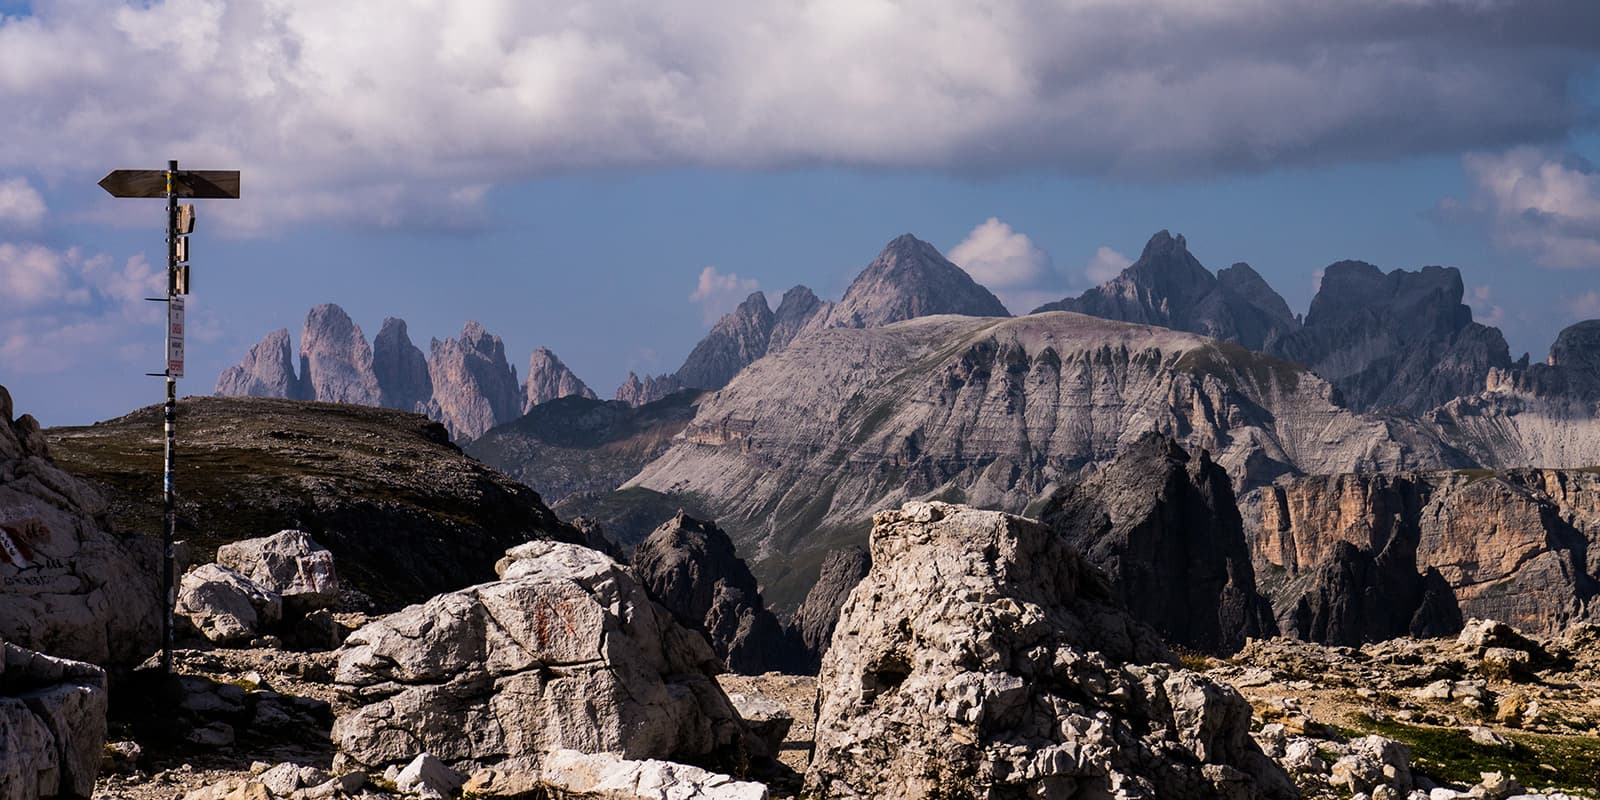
(565, 173)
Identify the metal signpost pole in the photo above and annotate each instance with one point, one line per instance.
(171, 185)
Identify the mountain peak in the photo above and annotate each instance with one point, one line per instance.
(911, 278)
(550, 379)
(1164, 245)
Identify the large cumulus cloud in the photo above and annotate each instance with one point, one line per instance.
(405, 111)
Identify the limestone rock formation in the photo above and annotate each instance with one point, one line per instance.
(289, 564)
(1165, 528)
(335, 360)
(795, 311)
(226, 607)
(267, 371)
(549, 379)
(603, 776)
(70, 587)
(636, 392)
(566, 651)
(52, 725)
(406, 514)
(1577, 348)
(473, 385)
(401, 369)
(1169, 287)
(738, 339)
(983, 657)
(691, 568)
(818, 615)
(794, 455)
(1357, 558)
(909, 279)
(1402, 340)
(573, 445)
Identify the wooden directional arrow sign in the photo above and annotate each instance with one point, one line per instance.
(212, 183)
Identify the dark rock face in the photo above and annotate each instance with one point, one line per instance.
(405, 513)
(473, 385)
(1169, 287)
(549, 379)
(1577, 348)
(637, 392)
(1166, 530)
(575, 445)
(1402, 340)
(267, 371)
(1359, 558)
(813, 624)
(690, 567)
(335, 360)
(910, 279)
(738, 339)
(402, 370)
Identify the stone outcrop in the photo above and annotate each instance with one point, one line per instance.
(335, 359)
(1400, 340)
(573, 446)
(549, 379)
(289, 564)
(401, 369)
(691, 568)
(68, 586)
(406, 514)
(473, 385)
(1169, 287)
(983, 657)
(636, 392)
(796, 453)
(795, 311)
(52, 725)
(817, 616)
(1165, 528)
(1577, 348)
(909, 279)
(1357, 558)
(572, 775)
(226, 607)
(565, 651)
(267, 371)
(738, 339)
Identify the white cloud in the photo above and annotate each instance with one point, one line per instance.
(717, 293)
(1105, 265)
(379, 111)
(999, 257)
(21, 207)
(1584, 306)
(1484, 309)
(65, 308)
(1543, 203)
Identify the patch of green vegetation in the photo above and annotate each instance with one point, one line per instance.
(1229, 362)
(1475, 475)
(1450, 755)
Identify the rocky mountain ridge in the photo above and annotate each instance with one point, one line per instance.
(464, 382)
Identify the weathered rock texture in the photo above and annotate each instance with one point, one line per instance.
(794, 455)
(267, 371)
(1165, 529)
(909, 279)
(1402, 340)
(636, 392)
(406, 514)
(1169, 287)
(288, 563)
(690, 567)
(549, 379)
(68, 587)
(402, 370)
(818, 615)
(1359, 558)
(738, 338)
(571, 775)
(983, 657)
(335, 360)
(566, 651)
(575, 445)
(52, 725)
(473, 385)
(1577, 348)
(225, 607)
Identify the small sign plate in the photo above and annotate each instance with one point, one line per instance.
(175, 337)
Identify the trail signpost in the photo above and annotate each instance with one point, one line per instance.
(171, 183)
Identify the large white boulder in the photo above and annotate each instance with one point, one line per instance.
(982, 657)
(567, 651)
(289, 563)
(226, 607)
(52, 725)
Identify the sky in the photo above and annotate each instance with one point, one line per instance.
(606, 178)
